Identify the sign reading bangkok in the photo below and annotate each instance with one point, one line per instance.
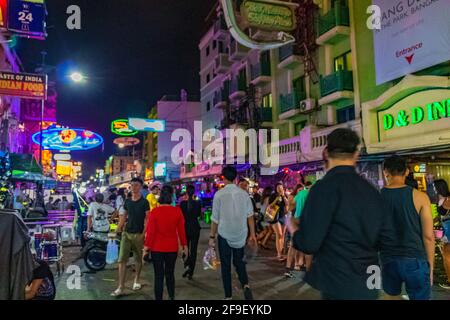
(268, 15)
(416, 115)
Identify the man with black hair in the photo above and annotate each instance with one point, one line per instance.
(407, 246)
(135, 215)
(340, 224)
(232, 217)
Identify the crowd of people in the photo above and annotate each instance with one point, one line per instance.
(336, 230)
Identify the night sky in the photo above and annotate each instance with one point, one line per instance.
(133, 53)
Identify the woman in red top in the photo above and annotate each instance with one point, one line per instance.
(164, 229)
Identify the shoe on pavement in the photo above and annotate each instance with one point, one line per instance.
(117, 293)
(229, 298)
(137, 286)
(288, 274)
(445, 285)
(248, 295)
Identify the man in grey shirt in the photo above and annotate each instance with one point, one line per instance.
(232, 217)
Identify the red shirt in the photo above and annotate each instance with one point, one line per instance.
(164, 228)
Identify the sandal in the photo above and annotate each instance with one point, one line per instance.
(137, 286)
(117, 293)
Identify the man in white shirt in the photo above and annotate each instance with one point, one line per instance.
(232, 216)
(98, 215)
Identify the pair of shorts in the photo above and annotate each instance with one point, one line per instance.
(413, 272)
(131, 242)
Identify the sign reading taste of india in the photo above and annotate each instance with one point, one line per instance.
(268, 15)
(420, 113)
(24, 85)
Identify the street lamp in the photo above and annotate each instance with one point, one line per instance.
(77, 77)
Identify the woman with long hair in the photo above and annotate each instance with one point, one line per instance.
(279, 198)
(192, 211)
(444, 211)
(292, 253)
(165, 229)
(267, 231)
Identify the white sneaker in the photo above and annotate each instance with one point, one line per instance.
(117, 293)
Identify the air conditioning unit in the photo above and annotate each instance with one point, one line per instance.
(307, 105)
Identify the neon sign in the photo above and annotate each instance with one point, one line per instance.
(64, 139)
(415, 115)
(148, 125)
(121, 128)
(160, 169)
(267, 15)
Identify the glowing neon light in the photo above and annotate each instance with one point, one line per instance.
(64, 139)
(121, 128)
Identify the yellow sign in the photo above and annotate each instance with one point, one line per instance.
(268, 15)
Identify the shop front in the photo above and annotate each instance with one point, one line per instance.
(412, 119)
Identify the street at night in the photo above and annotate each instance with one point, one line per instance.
(236, 150)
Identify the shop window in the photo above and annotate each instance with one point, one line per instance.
(346, 114)
(267, 101)
(343, 62)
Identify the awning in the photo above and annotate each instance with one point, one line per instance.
(24, 162)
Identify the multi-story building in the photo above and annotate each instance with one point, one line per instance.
(326, 80)
(150, 148)
(179, 112)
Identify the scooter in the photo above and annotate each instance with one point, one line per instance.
(94, 252)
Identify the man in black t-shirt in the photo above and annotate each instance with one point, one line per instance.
(135, 212)
(42, 287)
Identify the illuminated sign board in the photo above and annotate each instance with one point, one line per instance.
(27, 18)
(160, 169)
(424, 114)
(415, 115)
(3, 13)
(65, 139)
(268, 15)
(24, 85)
(121, 128)
(126, 141)
(420, 168)
(148, 125)
(64, 168)
(62, 157)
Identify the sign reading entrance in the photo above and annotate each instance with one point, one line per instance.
(268, 15)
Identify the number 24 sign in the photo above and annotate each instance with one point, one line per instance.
(27, 17)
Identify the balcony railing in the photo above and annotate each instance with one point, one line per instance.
(266, 114)
(291, 101)
(337, 16)
(341, 80)
(260, 69)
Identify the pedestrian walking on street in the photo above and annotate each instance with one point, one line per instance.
(341, 224)
(133, 219)
(165, 229)
(444, 211)
(232, 217)
(407, 246)
(192, 210)
(279, 199)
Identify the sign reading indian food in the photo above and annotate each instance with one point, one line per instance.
(24, 85)
(269, 15)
